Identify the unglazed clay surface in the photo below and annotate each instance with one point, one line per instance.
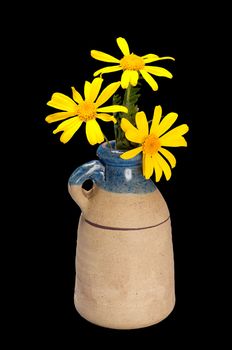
(124, 256)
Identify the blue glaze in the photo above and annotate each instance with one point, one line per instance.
(93, 170)
(113, 173)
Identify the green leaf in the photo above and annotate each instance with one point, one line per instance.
(129, 100)
(117, 99)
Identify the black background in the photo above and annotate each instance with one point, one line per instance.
(52, 48)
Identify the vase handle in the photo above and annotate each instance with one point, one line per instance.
(93, 170)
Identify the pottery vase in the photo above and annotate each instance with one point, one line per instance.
(124, 255)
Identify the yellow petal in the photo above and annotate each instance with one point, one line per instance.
(94, 89)
(106, 118)
(164, 166)
(174, 134)
(148, 166)
(157, 168)
(63, 102)
(141, 122)
(122, 44)
(178, 141)
(113, 109)
(131, 133)
(69, 132)
(93, 132)
(169, 156)
(156, 120)
(76, 96)
(174, 137)
(107, 70)
(55, 117)
(134, 76)
(152, 58)
(125, 79)
(67, 135)
(107, 93)
(67, 124)
(143, 163)
(132, 153)
(101, 56)
(87, 88)
(160, 72)
(125, 124)
(134, 135)
(166, 123)
(153, 84)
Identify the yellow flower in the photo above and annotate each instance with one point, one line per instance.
(152, 144)
(84, 110)
(132, 65)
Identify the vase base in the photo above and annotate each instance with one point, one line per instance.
(119, 324)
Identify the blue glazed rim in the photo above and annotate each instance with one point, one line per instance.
(111, 156)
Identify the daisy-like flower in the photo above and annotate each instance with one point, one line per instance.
(131, 65)
(152, 143)
(87, 110)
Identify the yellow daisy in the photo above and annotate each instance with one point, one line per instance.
(152, 143)
(131, 65)
(86, 110)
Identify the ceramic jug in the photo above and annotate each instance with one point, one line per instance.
(124, 255)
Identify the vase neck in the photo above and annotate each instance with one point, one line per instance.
(122, 176)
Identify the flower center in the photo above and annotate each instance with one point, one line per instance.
(132, 62)
(151, 145)
(86, 111)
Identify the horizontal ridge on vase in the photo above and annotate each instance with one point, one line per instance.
(124, 257)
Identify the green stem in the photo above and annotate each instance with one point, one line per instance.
(108, 142)
(116, 133)
(128, 91)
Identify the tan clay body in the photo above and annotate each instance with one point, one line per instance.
(124, 258)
